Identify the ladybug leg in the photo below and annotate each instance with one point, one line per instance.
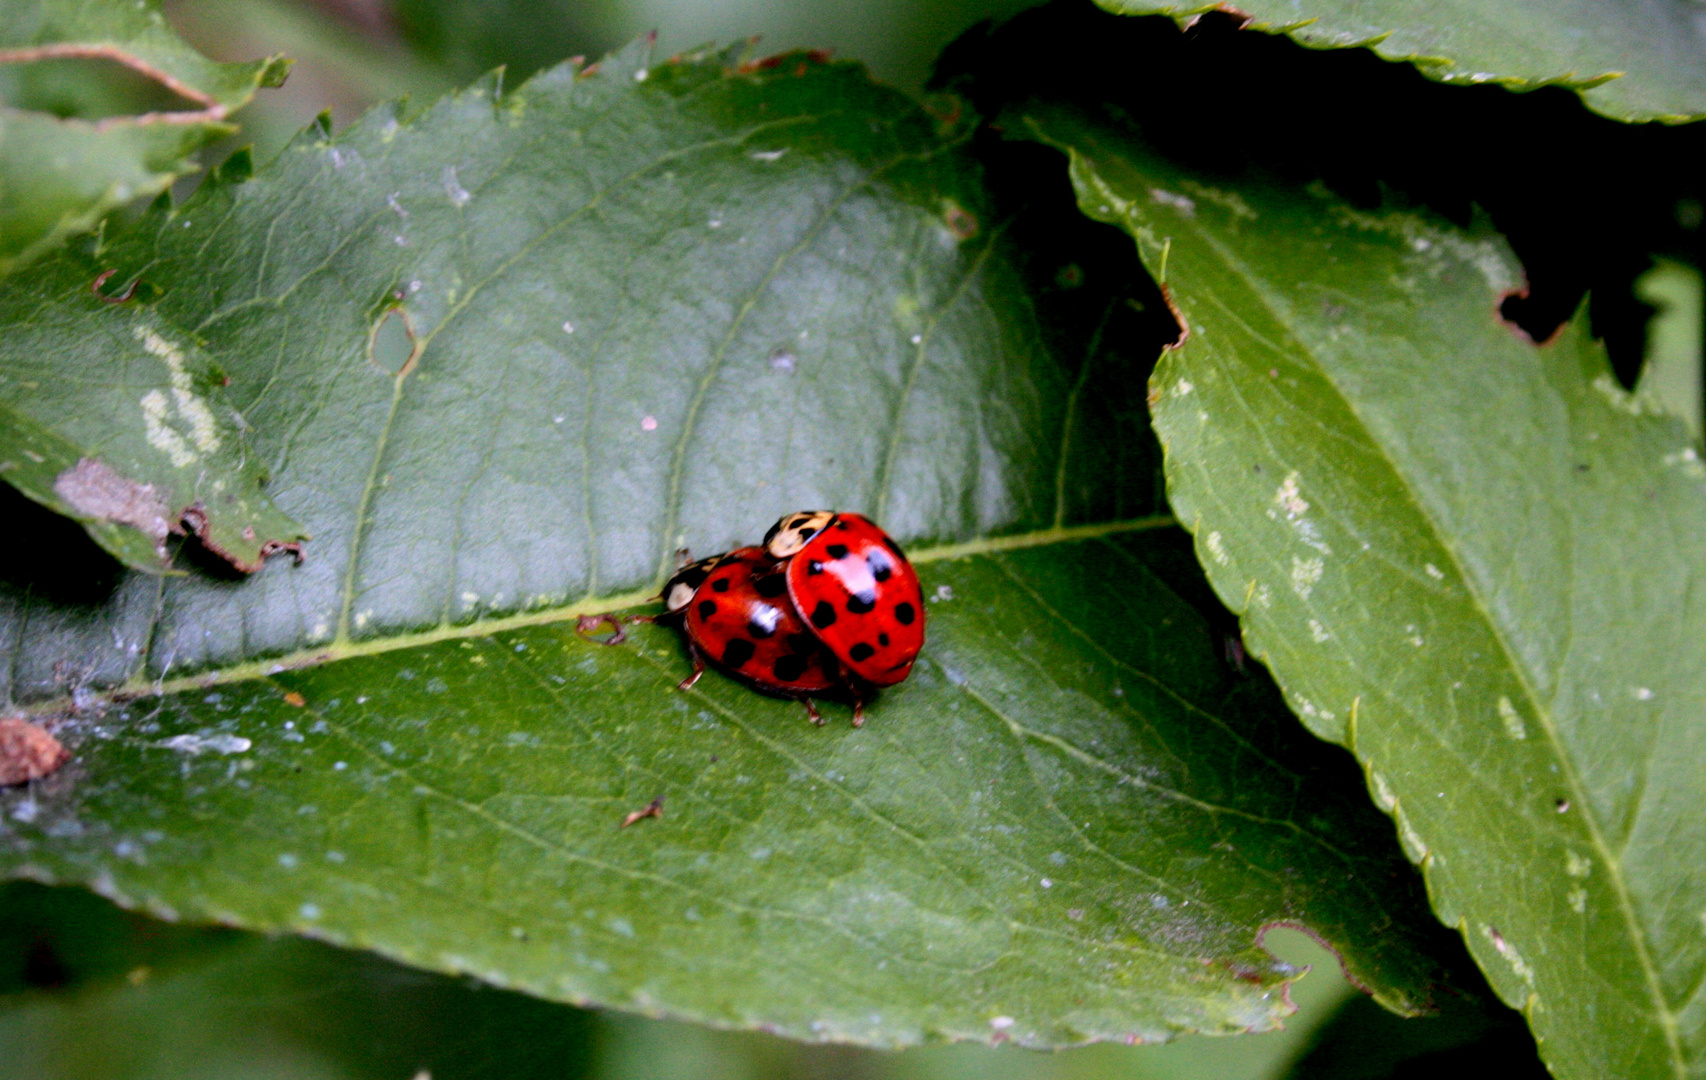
(811, 711)
(698, 668)
(587, 625)
(858, 706)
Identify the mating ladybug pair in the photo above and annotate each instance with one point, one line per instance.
(827, 602)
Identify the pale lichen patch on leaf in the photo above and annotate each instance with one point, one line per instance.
(93, 489)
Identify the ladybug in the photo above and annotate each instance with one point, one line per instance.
(736, 612)
(855, 588)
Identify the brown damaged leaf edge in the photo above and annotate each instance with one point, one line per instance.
(96, 491)
(212, 110)
(27, 751)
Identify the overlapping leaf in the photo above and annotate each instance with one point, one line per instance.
(1635, 62)
(504, 358)
(60, 174)
(1471, 559)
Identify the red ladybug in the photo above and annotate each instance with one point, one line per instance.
(855, 588)
(737, 613)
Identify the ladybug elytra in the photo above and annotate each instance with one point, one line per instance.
(829, 602)
(856, 589)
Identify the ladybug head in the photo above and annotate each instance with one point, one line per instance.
(791, 533)
(678, 591)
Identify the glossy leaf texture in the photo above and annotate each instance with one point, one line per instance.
(64, 165)
(654, 306)
(1634, 62)
(1469, 558)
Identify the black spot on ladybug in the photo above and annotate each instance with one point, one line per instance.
(721, 584)
(738, 652)
(823, 615)
(904, 613)
(894, 547)
(707, 608)
(790, 667)
(836, 551)
(758, 630)
(879, 565)
(814, 567)
(860, 652)
(842, 525)
(883, 640)
(861, 602)
(803, 644)
(771, 587)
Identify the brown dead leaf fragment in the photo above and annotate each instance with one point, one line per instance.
(651, 809)
(27, 752)
(293, 698)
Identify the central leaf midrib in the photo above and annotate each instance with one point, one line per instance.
(259, 668)
(1663, 1015)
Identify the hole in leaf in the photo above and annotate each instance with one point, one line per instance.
(391, 346)
(86, 88)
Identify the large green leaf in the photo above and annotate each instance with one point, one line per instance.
(1638, 61)
(89, 992)
(1469, 558)
(61, 171)
(651, 307)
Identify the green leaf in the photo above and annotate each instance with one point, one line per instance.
(62, 172)
(655, 307)
(1632, 62)
(1464, 556)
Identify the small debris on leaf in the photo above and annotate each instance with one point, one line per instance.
(587, 625)
(651, 809)
(293, 698)
(27, 752)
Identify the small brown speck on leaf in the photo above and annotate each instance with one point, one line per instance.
(651, 809)
(27, 752)
(293, 698)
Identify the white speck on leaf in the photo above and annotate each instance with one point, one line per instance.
(767, 155)
(1046, 883)
(1643, 694)
(1288, 498)
(1578, 897)
(1317, 632)
(287, 860)
(648, 423)
(1305, 575)
(1182, 203)
(568, 327)
(1001, 1023)
(1434, 572)
(1577, 866)
(391, 201)
(1512, 719)
(453, 187)
(917, 339)
(1217, 549)
(1183, 387)
(309, 911)
(943, 592)
(196, 744)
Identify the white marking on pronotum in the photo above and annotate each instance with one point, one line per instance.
(1512, 719)
(1305, 575)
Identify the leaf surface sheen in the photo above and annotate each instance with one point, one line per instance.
(1470, 559)
(650, 307)
(1633, 62)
